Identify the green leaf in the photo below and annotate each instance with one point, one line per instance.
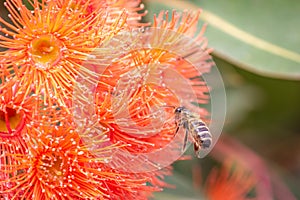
(259, 36)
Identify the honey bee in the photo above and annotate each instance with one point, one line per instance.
(194, 126)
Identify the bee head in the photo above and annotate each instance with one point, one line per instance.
(179, 109)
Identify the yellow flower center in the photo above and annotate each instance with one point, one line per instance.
(52, 169)
(11, 123)
(45, 51)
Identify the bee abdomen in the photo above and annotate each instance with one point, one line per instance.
(206, 142)
(199, 126)
(203, 134)
(202, 129)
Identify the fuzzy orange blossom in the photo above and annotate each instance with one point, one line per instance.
(46, 45)
(147, 78)
(59, 166)
(231, 182)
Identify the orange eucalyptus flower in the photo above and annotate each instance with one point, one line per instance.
(138, 91)
(15, 117)
(46, 45)
(230, 183)
(59, 166)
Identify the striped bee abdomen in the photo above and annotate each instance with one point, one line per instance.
(201, 134)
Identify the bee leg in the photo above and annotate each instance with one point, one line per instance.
(196, 148)
(177, 129)
(185, 139)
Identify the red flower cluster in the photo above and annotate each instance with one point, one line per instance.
(44, 149)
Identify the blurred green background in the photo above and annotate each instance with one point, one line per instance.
(256, 49)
